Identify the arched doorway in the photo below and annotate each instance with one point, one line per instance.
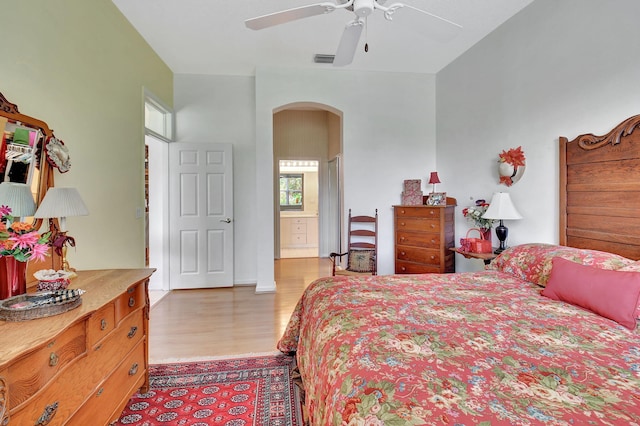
(307, 133)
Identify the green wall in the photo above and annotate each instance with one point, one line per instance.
(81, 67)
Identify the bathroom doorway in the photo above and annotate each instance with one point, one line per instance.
(298, 201)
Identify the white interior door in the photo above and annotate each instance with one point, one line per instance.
(201, 215)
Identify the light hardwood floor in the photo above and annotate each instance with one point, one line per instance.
(201, 324)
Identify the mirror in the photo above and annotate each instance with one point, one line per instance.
(25, 141)
(29, 159)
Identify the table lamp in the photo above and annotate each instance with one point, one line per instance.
(18, 197)
(61, 203)
(433, 179)
(501, 208)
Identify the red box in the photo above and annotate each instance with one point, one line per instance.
(412, 185)
(413, 198)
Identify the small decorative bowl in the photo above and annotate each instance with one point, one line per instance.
(49, 280)
(49, 285)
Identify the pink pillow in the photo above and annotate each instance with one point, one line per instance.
(611, 294)
(635, 267)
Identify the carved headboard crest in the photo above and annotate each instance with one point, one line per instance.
(590, 141)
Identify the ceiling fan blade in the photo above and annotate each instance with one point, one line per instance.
(288, 15)
(434, 26)
(348, 43)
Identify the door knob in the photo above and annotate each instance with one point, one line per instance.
(227, 220)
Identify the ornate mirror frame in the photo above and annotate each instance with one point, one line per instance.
(45, 176)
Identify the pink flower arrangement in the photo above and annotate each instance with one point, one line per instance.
(20, 239)
(474, 215)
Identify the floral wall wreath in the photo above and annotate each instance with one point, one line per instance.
(511, 165)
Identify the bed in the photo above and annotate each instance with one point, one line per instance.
(545, 335)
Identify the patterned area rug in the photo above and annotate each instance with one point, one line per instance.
(233, 392)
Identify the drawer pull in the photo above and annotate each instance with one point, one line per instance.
(132, 302)
(132, 332)
(433, 257)
(103, 324)
(134, 369)
(431, 212)
(432, 226)
(47, 414)
(99, 391)
(433, 241)
(53, 359)
(403, 253)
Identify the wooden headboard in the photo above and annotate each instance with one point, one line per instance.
(600, 190)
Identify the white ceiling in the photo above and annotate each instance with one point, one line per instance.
(209, 36)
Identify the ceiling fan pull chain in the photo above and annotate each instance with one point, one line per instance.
(366, 34)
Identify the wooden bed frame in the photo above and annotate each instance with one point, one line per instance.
(600, 190)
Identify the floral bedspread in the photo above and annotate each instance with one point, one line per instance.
(477, 348)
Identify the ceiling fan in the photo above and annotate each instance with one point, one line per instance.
(351, 35)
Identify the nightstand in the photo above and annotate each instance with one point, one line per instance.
(486, 257)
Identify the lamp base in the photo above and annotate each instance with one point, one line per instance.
(501, 232)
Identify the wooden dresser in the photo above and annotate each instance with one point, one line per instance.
(423, 236)
(80, 367)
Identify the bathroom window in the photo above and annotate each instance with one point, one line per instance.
(291, 194)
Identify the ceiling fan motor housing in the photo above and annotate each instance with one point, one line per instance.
(363, 8)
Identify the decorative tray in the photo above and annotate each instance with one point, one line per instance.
(39, 305)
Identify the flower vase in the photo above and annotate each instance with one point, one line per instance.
(13, 277)
(486, 233)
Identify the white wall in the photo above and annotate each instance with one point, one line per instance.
(220, 109)
(558, 68)
(389, 136)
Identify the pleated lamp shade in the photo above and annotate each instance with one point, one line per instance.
(18, 197)
(61, 203)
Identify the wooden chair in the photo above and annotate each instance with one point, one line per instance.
(362, 247)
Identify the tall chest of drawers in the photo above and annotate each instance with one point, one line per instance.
(423, 236)
(82, 366)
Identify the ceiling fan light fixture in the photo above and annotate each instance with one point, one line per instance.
(323, 59)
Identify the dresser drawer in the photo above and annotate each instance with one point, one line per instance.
(101, 323)
(417, 239)
(33, 372)
(134, 298)
(298, 239)
(299, 228)
(415, 268)
(420, 255)
(404, 211)
(55, 401)
(417, 224)
(129, 332)
(108, 400)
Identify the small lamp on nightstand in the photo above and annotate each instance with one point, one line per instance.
(501, 208)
